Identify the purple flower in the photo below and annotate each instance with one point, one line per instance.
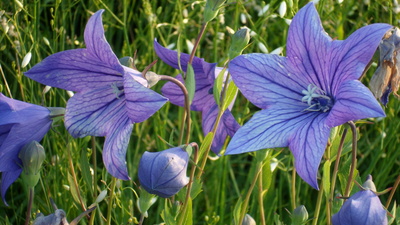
(308, 92)
(20, 124)
(205, 74)
(164, 173)
(110, 97)
(363, 208)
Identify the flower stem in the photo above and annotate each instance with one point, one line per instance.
(141, 219)
(293, 188)
(216, 124)
(29, 209)
(73, 174)
(260, 198)
(189, 187)
(396, 184)
(336, 167)
(94, 161)
(187, 103)
(319, 201)
(247, 199)
(110, 201)
(353, 158)
(196, 44)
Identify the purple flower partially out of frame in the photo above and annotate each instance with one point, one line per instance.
(164, 173)
(20, 123)
(362, 208)
(308, 92)
(109, 97)
(205, 74)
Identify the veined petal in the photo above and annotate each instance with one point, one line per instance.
(266, 80)
(14, 111)
(268, 129)
(349, 58)
(141, 102)
(353, 101)
(227, 126)
(75, 70)
(203, 93)
(97, 44)
(19, 135)
(171, 58)
(7, 178)
(308, 144)
(308, 46)
(115, 146)
(95, 112)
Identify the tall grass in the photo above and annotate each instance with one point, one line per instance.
(46, 27)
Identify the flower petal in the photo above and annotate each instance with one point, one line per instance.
(115, 146)
(308, 144)
(349, 58)
(353, 101)
(141, 102)
(227, 126)
(308, 45)
(95, 112)
(266, 80)
(19, 135)
(7, 178)
(80, 69)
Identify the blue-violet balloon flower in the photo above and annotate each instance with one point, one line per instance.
(20, 124)
(308, 92)
(164, 173)
(109, 97)
(205, 74)
(362, 208)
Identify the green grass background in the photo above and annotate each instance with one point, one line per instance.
(44, 27)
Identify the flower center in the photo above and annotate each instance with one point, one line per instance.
(316, 99)
(117, 90)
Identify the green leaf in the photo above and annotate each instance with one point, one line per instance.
(217, 88)
(393, 212)
(85, 170)
(266, 174)
(206, 144)
(73, 188)
(327, 178)
(190, 82)
(196, 188)
(230, 95)
(168, 215)
(237, 211)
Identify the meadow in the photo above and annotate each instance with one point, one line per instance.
(262, 184)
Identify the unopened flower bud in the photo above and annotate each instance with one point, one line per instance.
(248, 220)
(211, 9)
(299, 215)
(164, 173)
(239, 42)
(32, 156)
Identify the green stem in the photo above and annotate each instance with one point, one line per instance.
(73, 174)
(293, 198)
(94, 160)
(260, 198)
(247, 199)
(187, 103)
(196, 44)
(189, 187)
(110, 201)
(319, 201)
(29, 209)
(353, 158)
(336, 167)
(141, 219)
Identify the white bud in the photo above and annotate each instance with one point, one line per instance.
(189, 45)
(277, 51)
(282, 9)
(46, 41)
(243, 18)
(26, 59)
(262, 47)
(101, 196)
(263, 10)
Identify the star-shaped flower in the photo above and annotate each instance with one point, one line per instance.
(308, 92)
(109, 97)
(205, 74)
(20, 123)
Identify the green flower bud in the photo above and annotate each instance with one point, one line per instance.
(240, 40)
(211, 9)
(32, 156)
(369, 184)
(299, 215)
